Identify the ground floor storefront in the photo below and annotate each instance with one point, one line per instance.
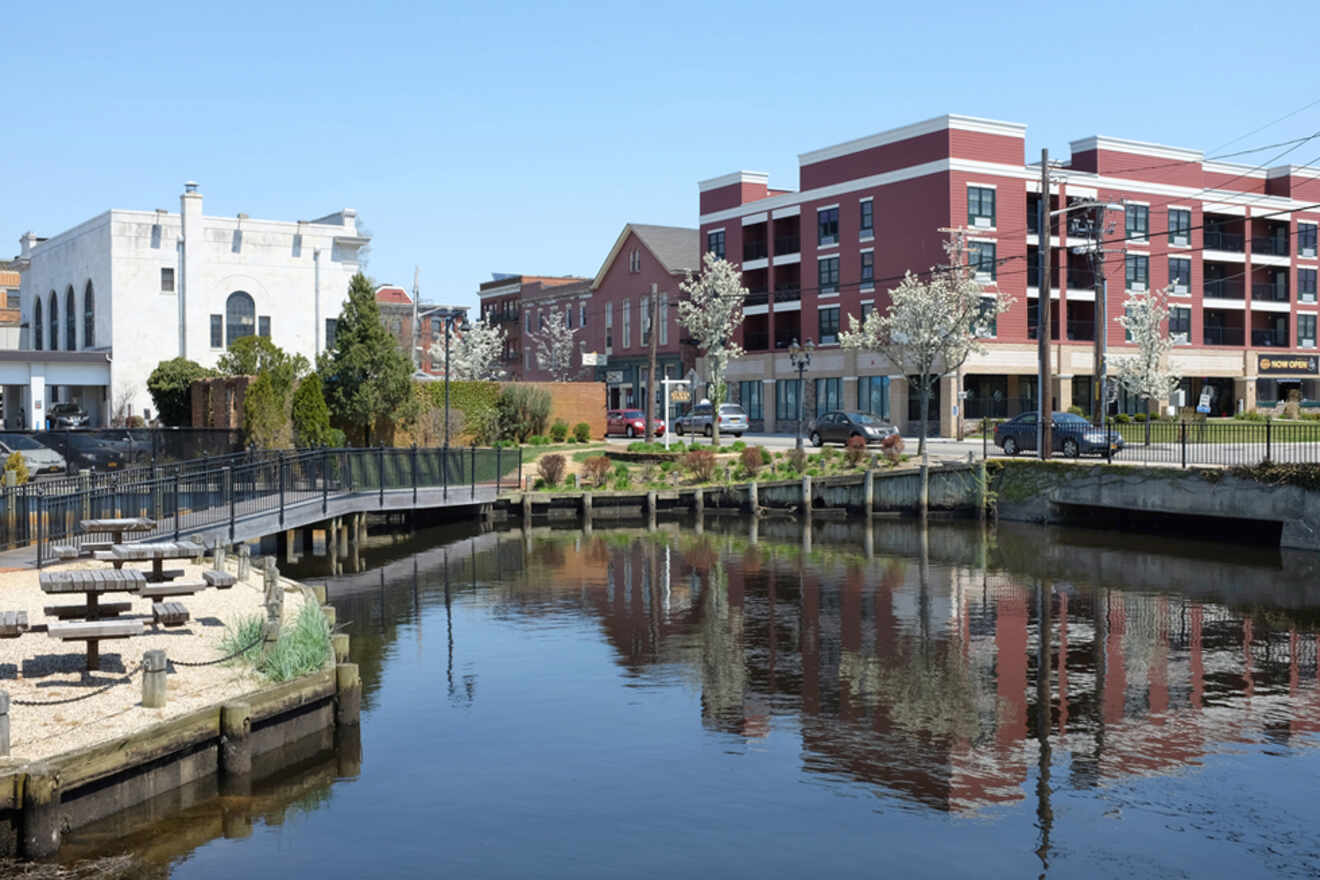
(1003, 382)
(34, 381)
(627, 379)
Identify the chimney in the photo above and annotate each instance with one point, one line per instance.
(26, 244)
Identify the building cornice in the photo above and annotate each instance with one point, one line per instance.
(737, 177)
(916, 129)
(1139, 148)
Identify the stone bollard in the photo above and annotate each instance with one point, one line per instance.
(868, 491)
(349, 693)
(244, 561)
(4, 724)
(41, 812)
(339, 641)
(328, 612)
(236, 739)
(154, 667)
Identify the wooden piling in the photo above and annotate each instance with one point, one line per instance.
(218, 557)
(586, 508)
(236, 739)
(339, 641)
(699, 502)
(328, 612)
(343, 537)
(11, 507)
(4, 724)
(41, 812)
(652, 508)
(318, 590)
(349, 693)
(868, 491)
(526, 509)
(806, 494)
(753, 499)
(274, 601)
(154, 665)
(290, 545)
(244, 561)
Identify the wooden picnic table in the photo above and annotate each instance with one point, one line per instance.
(117, 527)
(156, 553)
(92, 583)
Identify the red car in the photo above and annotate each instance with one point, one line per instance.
(631, 422)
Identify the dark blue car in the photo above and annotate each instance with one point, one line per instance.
(1073, 435)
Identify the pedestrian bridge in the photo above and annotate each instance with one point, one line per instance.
(245, 500)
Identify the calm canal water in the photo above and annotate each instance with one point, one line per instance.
(942, 704)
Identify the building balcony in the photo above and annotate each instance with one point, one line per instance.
(1269, 338)
(1272, 246)
(754, 249)
(1224, 288)
(787, 294)
(1221, 335)
(756, 341)
(756, 298)
(786, 244)
(1214, 240)
(1081, 331)
(1269, 293)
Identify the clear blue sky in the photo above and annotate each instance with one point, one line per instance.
(482, 137)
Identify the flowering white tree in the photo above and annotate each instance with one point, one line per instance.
(555, 347)
(1146, 373)
(474, 355)
(712, 310)
(931, 327)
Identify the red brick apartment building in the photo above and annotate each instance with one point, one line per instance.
(1237, 242)
(396, 312)
(520, 304)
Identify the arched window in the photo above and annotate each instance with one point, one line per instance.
(54, 322)
(70, 321)
(240, 317)
(89, 317)
(37, 329)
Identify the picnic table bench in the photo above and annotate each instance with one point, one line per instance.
(92, 583)
(93, 632)
(116, 527)
(169, 613)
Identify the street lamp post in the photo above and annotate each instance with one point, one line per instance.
(450, 317)
(800, 357)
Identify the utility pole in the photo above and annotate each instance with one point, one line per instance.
(1101, 317)
(417, 331)
(651, 380)
(1044, 436)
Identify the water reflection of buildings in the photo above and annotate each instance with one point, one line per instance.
(925, 678)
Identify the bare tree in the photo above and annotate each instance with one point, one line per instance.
(931, 327)
(555, 348)
(712, 310)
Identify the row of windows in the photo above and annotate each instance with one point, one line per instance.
(872, 397)
(240, 320)
(541, 314)
(40, 329)
(644, 311)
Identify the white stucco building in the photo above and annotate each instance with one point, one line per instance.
(106, 301)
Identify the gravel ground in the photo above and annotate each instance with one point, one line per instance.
(37, 667)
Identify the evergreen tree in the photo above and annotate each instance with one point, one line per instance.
(266, 414)
(170, 385)
(254, 355)
(311, 417)
(366, 376)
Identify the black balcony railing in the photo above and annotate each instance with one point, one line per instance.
(1269, 292)
(1270, 245)
(787, 244)
(787, 294)
(1269, 338)
(756, 298)
(1224, 288)
(1222, 335)
(756, 341)
(1216, 240)
(754, 249)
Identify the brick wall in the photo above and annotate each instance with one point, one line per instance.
(218, 403)
(575, 402)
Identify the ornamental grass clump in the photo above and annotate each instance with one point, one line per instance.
(302, 647)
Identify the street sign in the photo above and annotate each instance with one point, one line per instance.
(680, 395)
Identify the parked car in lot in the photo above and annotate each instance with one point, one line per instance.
(630, 422)
(840, 426)
(733, 420)
(63, 416)
(92, 452)
(1072, 435)
(40, 459)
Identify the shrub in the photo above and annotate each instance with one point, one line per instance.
(622, 483)
(311, 417)
(797, 460)
(18, 464)
(1139, 417)
(582, 432)
(596, 470)
(892, 446)
(751, 459)
(1123, 419)
(855, 452)
(700, 463)
(766, 457)
(559, 431)
(570, 481)
(1077, 410)
(522, 411)
(551, 468)
(737, 446)
(170, 385)
(538, 440)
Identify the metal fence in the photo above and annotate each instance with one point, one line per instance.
(229, 489)
(1183, 443)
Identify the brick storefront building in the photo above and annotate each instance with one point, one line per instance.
(1237, 242)
(398, 315)
(520, 303)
